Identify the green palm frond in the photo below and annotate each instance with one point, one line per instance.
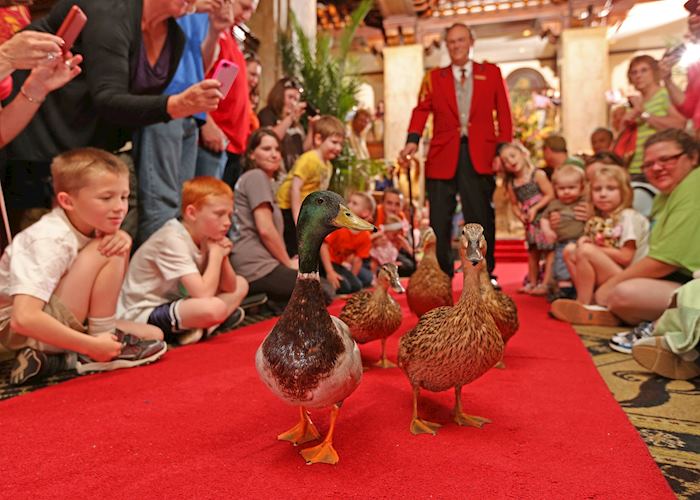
(356, 18)
(322, 73)
(327, 86)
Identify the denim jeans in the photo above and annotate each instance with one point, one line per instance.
(365, 274)
(166, 156)
(210, 163)
(350, 283)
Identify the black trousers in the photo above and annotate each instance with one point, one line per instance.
(476, 194)
(279, 284)
(233, 169)
(290, 232)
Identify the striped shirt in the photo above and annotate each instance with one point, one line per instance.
(658, 105)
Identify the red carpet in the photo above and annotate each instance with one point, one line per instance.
(199, 424)
(510, 250)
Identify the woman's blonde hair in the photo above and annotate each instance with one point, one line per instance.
(622, 177)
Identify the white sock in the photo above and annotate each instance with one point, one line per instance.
(100, 325)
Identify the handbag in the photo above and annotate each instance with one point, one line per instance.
(626, 144)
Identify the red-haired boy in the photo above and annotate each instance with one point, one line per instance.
(181, 279)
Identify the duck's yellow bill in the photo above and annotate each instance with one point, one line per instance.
(346, 218)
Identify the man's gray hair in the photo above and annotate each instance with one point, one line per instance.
(459, 25)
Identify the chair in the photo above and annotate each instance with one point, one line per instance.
(643, 197)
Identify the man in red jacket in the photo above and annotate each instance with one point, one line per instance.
(471, 116)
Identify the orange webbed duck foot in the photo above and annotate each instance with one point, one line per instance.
(420, 426)
(384, 363)
(470, 420)
(303, 432)
(324, 453)
(500, 365)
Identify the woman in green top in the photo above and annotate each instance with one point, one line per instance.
(651, 111)
(642, 291)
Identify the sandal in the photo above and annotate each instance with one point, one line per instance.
(576, 313)
(539, 291)
(525, 289)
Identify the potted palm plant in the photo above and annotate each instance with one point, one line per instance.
(322, 73)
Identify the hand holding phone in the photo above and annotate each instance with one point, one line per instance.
(675, 52)
(71, 27)
(311, 110)
(225, 72)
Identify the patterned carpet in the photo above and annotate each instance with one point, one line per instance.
(253, 315)
(665, 412)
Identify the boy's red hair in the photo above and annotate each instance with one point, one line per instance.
(196, 191)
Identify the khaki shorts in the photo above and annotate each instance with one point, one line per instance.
(54, 308)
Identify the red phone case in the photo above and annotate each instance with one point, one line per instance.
(226, 72)
(71, 27)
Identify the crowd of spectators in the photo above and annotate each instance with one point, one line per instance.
(134, 110)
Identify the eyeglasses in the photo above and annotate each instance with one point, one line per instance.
(662, 161)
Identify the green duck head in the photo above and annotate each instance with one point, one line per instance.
(321, 213)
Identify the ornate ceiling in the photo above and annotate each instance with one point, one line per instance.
(422, 21)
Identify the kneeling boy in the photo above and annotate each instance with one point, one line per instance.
(67, 269)
(181, 279)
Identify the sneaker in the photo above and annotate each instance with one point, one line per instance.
(31, 365)
(135, 352)
(567, 292)
(623, 341)
(235, 319)
(654, 354)
(576, 313)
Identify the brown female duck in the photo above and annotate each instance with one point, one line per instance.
(309, 358)
(453, 346)
(429, 287)
(373, 315)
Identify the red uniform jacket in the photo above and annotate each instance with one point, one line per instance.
(489, 119)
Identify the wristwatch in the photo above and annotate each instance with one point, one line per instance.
(644, 117)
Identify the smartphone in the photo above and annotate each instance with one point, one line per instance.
(311, 110)
(675, 51)
(71, 27)
(226, 72)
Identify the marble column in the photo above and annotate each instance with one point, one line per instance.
(583, 66)
(265, 25)
(305, 13)
(403, 74)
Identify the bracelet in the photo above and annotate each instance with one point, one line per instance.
(29, 98)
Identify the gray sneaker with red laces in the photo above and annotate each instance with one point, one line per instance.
(135, 352)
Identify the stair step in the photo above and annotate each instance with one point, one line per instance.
(510, 250)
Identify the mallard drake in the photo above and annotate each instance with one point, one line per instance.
(501, 306)
(309, 358)
(453, 346)
(429, 287)
(373, 315)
